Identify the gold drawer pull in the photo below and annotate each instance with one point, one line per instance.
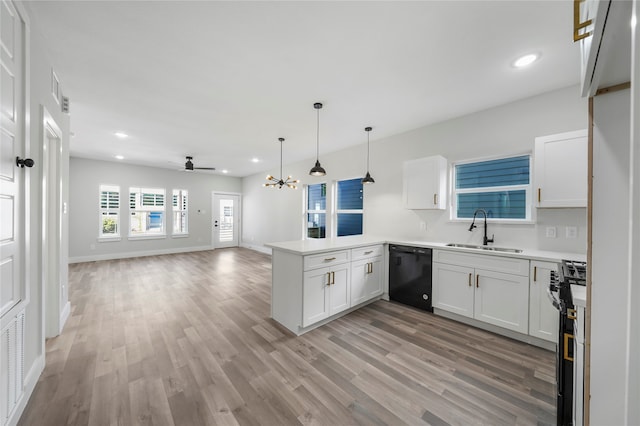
(567, 336)
(329, 259)
(577, 25)
(368, 252)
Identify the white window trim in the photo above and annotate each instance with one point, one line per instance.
(336, 211)
(175, 233)
(529, 212)
(148, 235)
(101, 236)
(305, 212)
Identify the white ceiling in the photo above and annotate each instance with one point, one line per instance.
(223, 80)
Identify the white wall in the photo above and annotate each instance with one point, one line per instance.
(272, 215)
(86, 176)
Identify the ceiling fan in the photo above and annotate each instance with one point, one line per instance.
(189, 165)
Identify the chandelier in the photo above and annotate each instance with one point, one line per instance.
(272, 182)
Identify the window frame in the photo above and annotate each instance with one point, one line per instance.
(109, 210)
(528, 188)
(139, 207)
(307, 212)
(337, 211)
(183, 209)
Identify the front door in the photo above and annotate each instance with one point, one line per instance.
(226, 220)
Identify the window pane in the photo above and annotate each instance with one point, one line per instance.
(317, 197)
(350, 195)
(143, 222)
(349, 224)
(316, 225)
(505, 171)
(110, 224)
(226, 221)
(179, 222)
(500, 204)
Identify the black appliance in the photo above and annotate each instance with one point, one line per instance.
(410, 276)
(569, 272)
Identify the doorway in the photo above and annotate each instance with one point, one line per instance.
(54, 266)
(226, 220)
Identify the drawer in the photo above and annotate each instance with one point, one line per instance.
(508, 265)
(325, 259)
(366, 252)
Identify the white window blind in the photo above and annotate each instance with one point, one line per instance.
(180, 211)
(146, 207)
(109, 226)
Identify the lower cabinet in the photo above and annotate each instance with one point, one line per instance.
(336, 281)
(366, 279)
(543, 317)
(463, 284)
(326, 292)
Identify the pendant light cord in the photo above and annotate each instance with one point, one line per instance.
(281, 160)
(367, 151)
(318, 134)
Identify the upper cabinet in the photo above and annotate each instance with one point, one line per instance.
(560, 178)
(603, 29)
(425, 183)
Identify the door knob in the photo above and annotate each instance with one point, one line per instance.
(24, 162)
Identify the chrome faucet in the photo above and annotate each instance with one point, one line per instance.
(485, 239)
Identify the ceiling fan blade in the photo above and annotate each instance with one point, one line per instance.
(204, 168)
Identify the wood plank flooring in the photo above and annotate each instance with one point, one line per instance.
(186, 339)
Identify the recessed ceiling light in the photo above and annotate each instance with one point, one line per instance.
(255, 160)
(225, 171)
(119, 157)
(525, 60)
(121, 135)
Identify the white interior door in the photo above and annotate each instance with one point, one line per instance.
(12, 145)
(226, 220)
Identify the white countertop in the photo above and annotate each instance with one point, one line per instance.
(321, 245)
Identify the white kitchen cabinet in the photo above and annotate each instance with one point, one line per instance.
(425, 183)
(543, 317)
(486, 288)
(366, 273)
(502, 299)
(453, 289)
(560, 178)
(325, 290)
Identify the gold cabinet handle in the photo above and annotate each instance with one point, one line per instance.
(478, 281)
(333, 278)
(539, 194)
(328, 278)
(470, 279)
(577, 25)
(567, 336)
(535, 273)
(435, 198)
(571, 314)
(329, 259)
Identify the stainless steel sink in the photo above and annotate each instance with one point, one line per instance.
(478, 247)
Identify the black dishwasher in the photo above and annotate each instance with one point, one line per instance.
(410, 276)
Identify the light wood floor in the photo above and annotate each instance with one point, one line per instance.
(186, 339)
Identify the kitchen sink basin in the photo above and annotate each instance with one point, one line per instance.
(487, 248)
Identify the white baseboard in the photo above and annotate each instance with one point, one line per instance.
(30, 382)
(142, 253)
(261, 249)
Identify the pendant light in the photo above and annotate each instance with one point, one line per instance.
(317, 170)
(273, 182)
(368, 179)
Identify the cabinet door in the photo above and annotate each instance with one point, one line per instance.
(340, 289)
(424, 183)
(366, 280)
(453, 288)
(561, 170)
(502, 300)
(543, 317)
(315, 295)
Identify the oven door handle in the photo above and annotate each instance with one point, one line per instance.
(554, 300)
